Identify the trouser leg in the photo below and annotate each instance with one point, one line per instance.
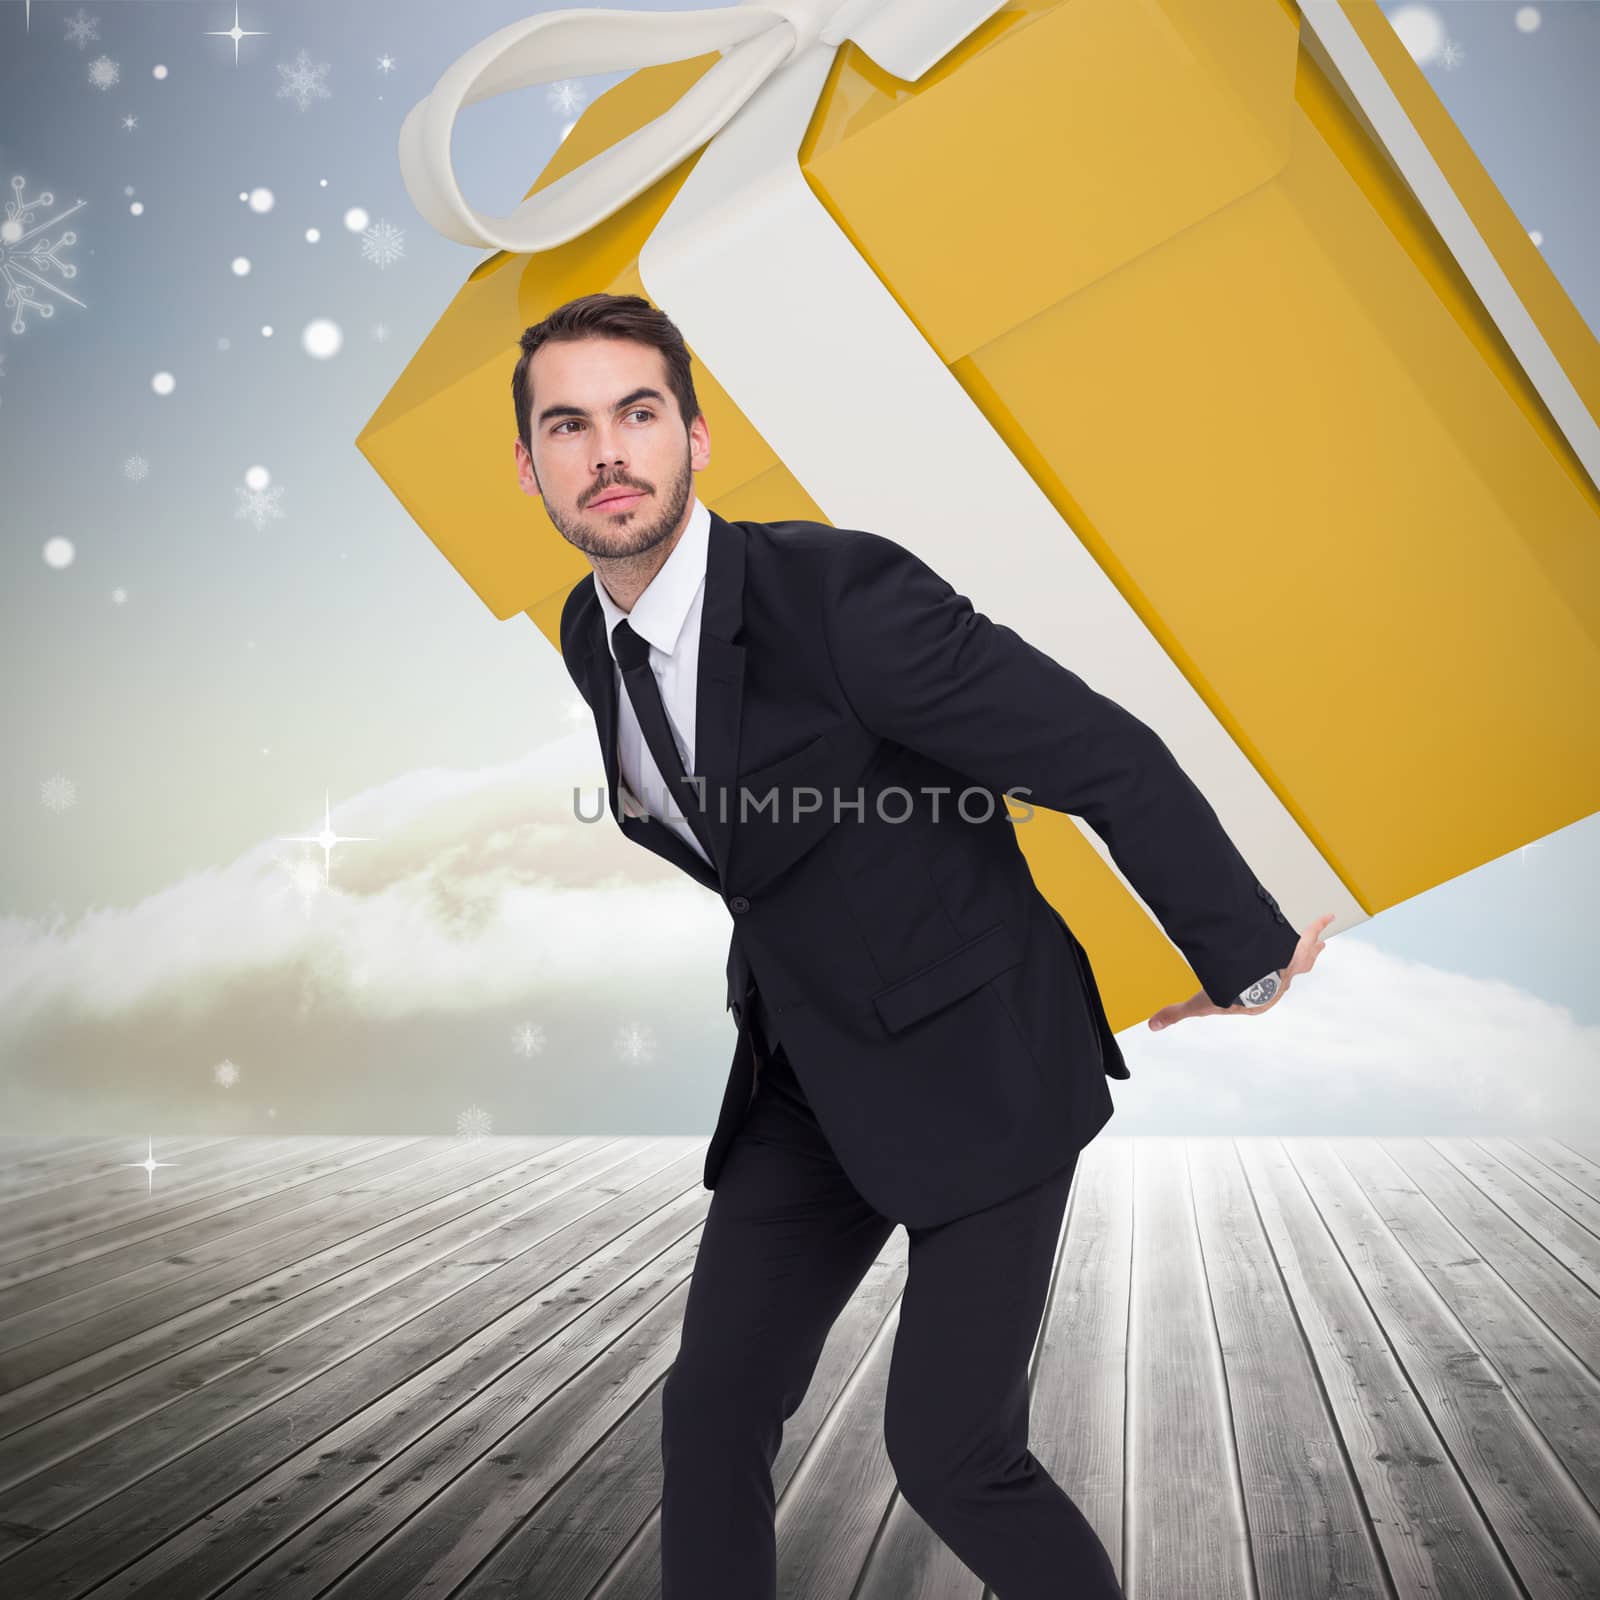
(786, 1242)
(956, 1411)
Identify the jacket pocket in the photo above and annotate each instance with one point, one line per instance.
(948, 979)
(1111, 1059)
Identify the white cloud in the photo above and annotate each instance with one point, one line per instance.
(1367, 1042)
(481, 903)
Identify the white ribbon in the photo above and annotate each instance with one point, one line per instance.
(904, 37)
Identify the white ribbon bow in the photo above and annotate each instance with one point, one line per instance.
(904, 37)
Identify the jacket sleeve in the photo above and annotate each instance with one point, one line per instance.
(920, 666)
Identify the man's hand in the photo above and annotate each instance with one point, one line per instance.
(1201, 1005)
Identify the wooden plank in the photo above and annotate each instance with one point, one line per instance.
(1559, 1392)
(78, 1325)
(27, 1159)
(1516, 1249)
(474, 1492)
(1542, 1520)
(1307, 1527)
(72, 1209)
(157, 1480)
(1556, 1172)
(73, 1263)
(130, 1379)
(81, 1191)
(1433, 1539)
(341, 1493)
(1187, 1531)
(1570, 1152)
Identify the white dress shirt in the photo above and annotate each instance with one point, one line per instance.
(667, 616)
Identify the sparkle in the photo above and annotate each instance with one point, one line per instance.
(26, 260)
(130, 121)
(327, 838)
(383, 243)
(385, 63)
(58, 793)
(236, 33)
(103, 72)
(473, 1124)
(149, 1164)
(527, 1040)
(302, 81)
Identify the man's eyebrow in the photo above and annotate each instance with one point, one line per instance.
(631, 398)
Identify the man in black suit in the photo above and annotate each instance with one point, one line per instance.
(814, 725)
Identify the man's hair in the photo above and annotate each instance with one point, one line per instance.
(605, 316)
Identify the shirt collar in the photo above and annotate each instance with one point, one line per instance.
(658, 614)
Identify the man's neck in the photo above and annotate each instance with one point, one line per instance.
(627, 577)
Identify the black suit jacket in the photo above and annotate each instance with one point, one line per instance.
(941, 1016)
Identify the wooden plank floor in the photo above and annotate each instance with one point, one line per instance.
(296, 1367)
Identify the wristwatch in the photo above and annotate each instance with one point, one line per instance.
(1261, 992)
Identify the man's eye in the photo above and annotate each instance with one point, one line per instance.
(637, 411)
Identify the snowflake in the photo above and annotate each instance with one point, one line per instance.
(3, 360)
(259, 505)
(103, 72)
(130, 122)
(385, 63)
(635, 1042)
(1453, 55)
(380, 332)
(25, 261)
(528, 1040)
(225, 1073)
(58, 793)
(119, 596)
(383, 243)
(473, 1124)
(565, 96)
(82, 28)
(301, 81)
(136, 468)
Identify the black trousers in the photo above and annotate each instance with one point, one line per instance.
(787, 1239)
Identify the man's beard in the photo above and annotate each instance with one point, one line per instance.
(597, 532)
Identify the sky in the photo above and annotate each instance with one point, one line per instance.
(216, 615)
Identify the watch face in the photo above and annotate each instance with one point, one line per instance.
(1261, 991)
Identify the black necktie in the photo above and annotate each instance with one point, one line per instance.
(633, 656)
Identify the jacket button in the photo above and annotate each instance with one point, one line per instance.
(738, 903)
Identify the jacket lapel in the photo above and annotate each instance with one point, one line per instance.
(719, 691)
(719, 694)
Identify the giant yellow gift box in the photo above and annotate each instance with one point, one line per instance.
(1188, 337)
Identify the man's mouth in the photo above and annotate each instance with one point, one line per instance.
(616, 502)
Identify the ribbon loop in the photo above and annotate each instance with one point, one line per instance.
(902, 36)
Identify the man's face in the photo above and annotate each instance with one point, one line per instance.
(603, 424)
